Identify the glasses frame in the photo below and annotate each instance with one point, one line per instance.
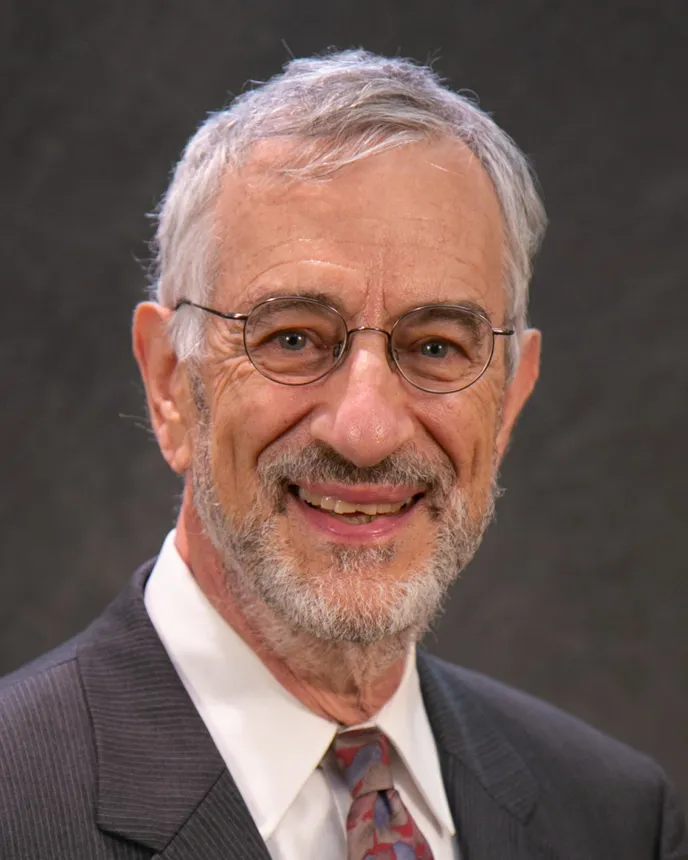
(244, 317)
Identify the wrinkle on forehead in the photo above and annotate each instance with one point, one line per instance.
(401, 221)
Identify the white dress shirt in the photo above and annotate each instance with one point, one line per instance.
(276, 749)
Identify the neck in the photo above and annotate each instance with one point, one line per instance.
(344, 682)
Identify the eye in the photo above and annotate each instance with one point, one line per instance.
(291, 341)
(436, 349)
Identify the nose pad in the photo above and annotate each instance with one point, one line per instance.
(349, 341)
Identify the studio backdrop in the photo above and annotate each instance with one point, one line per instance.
(579, 593)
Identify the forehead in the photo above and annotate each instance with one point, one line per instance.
(415, 224)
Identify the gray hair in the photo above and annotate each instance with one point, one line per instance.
(341, 107)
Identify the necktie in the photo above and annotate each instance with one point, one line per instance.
(378, 825)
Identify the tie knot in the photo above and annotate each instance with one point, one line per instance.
(363, 758)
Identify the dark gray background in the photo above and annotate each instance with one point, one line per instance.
(578, 594)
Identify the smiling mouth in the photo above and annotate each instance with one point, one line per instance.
(351, 511)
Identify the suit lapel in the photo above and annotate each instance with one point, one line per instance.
(163, 784)
(491, 791)
(487, 829)
(161, 781)
(219, 829)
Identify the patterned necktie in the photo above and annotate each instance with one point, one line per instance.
(378, 824)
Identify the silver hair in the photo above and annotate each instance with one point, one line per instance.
(341, 107)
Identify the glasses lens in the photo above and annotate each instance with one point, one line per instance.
(442, 348)
(294, 341)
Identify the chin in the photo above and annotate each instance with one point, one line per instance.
(354, 601)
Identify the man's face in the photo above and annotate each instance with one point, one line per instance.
(417, 225)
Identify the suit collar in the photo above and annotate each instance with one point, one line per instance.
(492, 792)
(163, 784)
(160, 777)
(462, 730)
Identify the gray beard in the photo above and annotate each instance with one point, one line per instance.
(349, 601)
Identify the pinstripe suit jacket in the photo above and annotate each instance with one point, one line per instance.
(102, 755)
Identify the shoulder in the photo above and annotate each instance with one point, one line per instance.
(42, 707)
(34, 698)
(586, 779)
(47, 755)
(542, 734)
(48, 747)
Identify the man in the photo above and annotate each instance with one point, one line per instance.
(335, 361)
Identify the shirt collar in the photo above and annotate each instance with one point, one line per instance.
(405, 722)
(270, 742)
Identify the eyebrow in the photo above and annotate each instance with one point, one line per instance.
(469, 304)
(335, 303)
(315, 295)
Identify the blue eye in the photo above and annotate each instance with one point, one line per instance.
(292, 341)
(435, 349)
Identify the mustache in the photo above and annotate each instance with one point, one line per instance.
(318, 462)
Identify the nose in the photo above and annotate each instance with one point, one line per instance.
(364, 415)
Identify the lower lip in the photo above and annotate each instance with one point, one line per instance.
(382, 526)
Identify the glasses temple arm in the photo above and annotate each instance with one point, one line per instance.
(224, 316)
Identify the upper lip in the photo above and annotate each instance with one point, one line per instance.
(365, 493)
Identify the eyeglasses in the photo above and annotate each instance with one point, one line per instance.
(294, 340)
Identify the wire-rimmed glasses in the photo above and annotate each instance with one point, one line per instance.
(294, 340)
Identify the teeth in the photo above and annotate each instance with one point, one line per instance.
(339, 506)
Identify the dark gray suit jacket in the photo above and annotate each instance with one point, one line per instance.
(102, 755)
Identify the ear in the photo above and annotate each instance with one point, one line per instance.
(165, 379)
(519, 389)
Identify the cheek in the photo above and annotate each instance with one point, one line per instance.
(251, 414)
(465, 426)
